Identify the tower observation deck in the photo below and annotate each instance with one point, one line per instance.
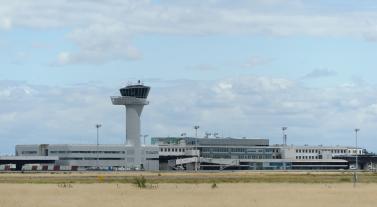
(133, 97)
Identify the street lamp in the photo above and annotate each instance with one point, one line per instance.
(284, 135)
(145, 136)
(284, 144)
(196, 127)
(356, 159)
(97, 126)
(196, 130)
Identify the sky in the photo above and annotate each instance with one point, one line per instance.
(237, 68)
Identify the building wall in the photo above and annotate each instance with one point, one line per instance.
(316, 152)
(209, 141)
(27, 150)
(91, 156)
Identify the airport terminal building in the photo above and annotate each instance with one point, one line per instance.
(181, 153)
(91, 157)
(189, 153)
(247, 154)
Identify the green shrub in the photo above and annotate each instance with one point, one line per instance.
(345, 179)
(140, 182)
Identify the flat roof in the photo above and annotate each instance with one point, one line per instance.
(45, 158)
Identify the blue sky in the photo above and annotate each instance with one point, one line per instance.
(241, 68)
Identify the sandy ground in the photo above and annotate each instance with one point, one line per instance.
(169, 195)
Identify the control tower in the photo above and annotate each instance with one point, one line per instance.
(133, 97)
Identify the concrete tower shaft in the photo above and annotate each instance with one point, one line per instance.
(133, 97)
(133, 113)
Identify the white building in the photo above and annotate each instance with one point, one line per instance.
(317, 152)
(93, 156)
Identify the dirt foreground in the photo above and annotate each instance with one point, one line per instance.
(187, 195)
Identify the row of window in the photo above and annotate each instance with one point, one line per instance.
(318, 151)
(306, 157)
(29, 152)
(254, 157)
(87, 152)
(223, 156)
(172, 150)
(89, 158)
(240, 150)
(141, 92)
(151, 152)
(275, 150)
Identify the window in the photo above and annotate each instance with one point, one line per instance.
(29, 152)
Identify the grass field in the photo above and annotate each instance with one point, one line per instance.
(262, 189)
(187, 195)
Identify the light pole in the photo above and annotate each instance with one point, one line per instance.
(284, 144)
(145, 136)
(356, 159)
(196, 127)
(284, 135)
(196, 130)
(97, 126)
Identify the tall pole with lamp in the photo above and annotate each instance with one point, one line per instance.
(284, 144)
(145, 136)
(97, 160)
(356, 159)
(196, 127)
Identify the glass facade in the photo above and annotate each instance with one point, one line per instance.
(236, 152)
(137, 91)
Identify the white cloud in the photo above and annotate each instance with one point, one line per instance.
(244, 106)
(259, 106)
(64, 58)
(319, 73)
(5, 23)
(103, 30)
(255, 61)
(203, 67)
